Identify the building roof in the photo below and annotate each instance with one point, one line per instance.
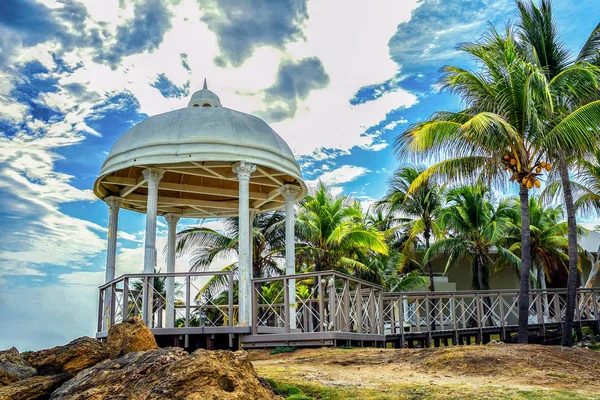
(197, 147)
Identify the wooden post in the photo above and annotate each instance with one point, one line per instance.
(230, 300)
(462, 313)
(113, 298)
(187, 301)
(372, 310)
(321, 304)
(594, 299)
(101, 293)
(428, 320)
(401, 302)
(392, 317)
(479, 336)
(358, 305)
(346, 300)
(125, 301)
(454, 328)
(417, 315)
(440, 302)
(254, 297)
(332, 313)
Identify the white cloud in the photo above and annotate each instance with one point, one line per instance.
(343, 174)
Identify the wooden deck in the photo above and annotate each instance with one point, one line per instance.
(332, 309)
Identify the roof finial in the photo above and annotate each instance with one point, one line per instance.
(205, 87)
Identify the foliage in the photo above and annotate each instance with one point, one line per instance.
(474, 224)
(331, 233)
(283, 349)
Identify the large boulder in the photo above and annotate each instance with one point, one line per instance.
(13, 367)
(35, 388)
(130, 336)
(168, 374)
(69, 359)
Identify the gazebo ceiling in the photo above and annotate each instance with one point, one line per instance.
(197, 147)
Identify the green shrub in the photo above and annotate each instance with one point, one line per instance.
(283, 349)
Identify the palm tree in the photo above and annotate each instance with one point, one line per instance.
(503, 132)
(205, 245)
(412, 214)
(495, 137)
(474, 226)
(549, 244)
(573, 85)
(332, 234)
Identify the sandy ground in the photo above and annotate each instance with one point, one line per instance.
(510, 367)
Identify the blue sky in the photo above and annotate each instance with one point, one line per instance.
(337, 79)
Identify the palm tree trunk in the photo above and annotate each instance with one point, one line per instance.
(567, 339)
(429, 267)
(428, 264)
(525, 263)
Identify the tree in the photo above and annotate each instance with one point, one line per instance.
(332, 234)
(205, 245)
(573, 86)
(412, 214)
(495, 137)
(508, 128)
(549, 244)
(474, 226)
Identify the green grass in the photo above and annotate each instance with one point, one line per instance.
(310, 391)
(283, 349)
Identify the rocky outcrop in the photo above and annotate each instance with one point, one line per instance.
(169, 374)
(13, 367)
(69, 359)
(130, 336)
(35, 388)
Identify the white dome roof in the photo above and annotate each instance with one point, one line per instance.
(202, 136)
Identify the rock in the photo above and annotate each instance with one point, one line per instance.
(169, 374)
(494, 343)
(35, 388)
(71, 358)
(13, 367)
(129, 336)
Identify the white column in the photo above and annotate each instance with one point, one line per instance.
(114, 204)
(244, 170)
(152, 176)
(289, 193)
(171, 220)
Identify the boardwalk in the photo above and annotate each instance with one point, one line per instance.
(329, 309)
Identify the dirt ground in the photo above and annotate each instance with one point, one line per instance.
(492, 371)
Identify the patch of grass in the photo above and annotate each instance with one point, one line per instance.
(26, 353)
(346, 347)
(595, 347)
(283, 349)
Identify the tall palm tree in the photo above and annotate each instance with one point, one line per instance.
(412, 215)
(332, 234)
(495, 137)
(573, 84)
(474, 225)
(504, 131)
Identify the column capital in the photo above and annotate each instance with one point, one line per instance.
(172, 219)
(289, 191)
(153, 175)
(114, 202)
(244, 169)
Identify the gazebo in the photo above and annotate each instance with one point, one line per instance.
(201, 161)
